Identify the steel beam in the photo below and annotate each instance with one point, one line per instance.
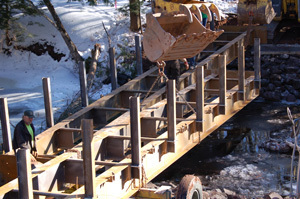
(241, 69)
(24, 174)
(257, 60)
(4, 117)
(88, 158)
(171, 115)
(135, 124)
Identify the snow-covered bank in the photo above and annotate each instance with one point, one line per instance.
(21, 72)
(21, 84)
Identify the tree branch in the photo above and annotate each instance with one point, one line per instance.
(109, 40)
(91, 74)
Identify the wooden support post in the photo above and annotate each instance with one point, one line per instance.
(48, 102)
(83, 85)
(241, 70)
(4, 117)
(138, 52)
(113, 68)
(257, 60)
(135, 129)
(24, 174)
(171, 114)
(222, 83)
(200, 98)
(88, 158)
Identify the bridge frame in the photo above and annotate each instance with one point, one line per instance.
(162, 129)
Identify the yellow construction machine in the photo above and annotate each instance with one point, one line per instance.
(255, 12)
(289, 9)
(264, 11)
(175, 30)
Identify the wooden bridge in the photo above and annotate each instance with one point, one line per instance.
(115, 146)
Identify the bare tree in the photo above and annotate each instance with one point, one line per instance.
(72, 47)
(92, 70)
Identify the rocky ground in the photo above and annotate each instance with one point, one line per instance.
(280, 76)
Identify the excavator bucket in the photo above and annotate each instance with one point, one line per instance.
(255, 12)
(171, 37)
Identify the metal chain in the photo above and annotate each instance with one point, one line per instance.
(161, 73)
(177, 92)
(152, 86)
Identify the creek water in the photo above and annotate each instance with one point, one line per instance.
(232, 156)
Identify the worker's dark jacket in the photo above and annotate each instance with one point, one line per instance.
(172, 70)
(22, 138)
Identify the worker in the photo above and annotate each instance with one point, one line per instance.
(172, 69)
(192, 60)
(24, 134)
(204, 19)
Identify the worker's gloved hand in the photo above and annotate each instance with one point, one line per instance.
(187, 66)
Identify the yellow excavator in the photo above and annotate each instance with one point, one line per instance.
(175, 30)
(264, 11)
(255, 12)
(289, 9)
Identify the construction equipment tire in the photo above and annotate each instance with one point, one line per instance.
(190, 187)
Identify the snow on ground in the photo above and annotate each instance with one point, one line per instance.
(21, 73)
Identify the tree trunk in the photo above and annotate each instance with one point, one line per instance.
(7, 28)
(72, 47)
(135, 19)
(95, 55)
(92, 2)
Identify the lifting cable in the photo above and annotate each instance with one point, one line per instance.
(161, 73)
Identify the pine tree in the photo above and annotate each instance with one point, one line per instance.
(135, 15)
(10, 11)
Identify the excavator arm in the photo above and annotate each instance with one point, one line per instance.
(175, 29)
